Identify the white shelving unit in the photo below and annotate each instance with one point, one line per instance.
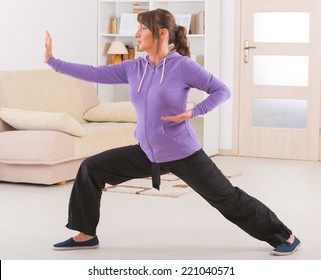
(206, 46)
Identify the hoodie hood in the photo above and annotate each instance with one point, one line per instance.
(161, 63)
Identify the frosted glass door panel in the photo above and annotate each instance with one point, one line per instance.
(280, 113)
(281, 27)
(280, 70)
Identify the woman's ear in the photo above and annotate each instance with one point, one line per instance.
(163, 32)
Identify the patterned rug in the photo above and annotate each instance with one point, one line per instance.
(171, 186)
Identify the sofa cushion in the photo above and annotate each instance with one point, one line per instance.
(101, 136)
(111, 112)
(37, 120)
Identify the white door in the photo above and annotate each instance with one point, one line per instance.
(280, 79)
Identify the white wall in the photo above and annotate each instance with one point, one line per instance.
(72, 24)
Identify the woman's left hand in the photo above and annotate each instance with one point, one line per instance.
(179, 118)
(48, 46)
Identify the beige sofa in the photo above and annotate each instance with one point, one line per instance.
(49, 123)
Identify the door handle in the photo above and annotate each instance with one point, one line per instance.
(247, 47)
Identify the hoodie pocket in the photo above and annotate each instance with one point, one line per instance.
(182, 134)
(174, 129)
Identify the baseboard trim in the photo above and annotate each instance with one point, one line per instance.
(226, 152)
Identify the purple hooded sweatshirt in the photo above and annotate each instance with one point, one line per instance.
(157, 91)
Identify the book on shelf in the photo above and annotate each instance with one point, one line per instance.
(201, 22)
(131, 53)
(140, 7)
(138, 11)
(198, 23)
(114, 25)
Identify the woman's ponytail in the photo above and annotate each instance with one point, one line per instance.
(181, 43)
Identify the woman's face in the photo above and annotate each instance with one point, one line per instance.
(144, 38)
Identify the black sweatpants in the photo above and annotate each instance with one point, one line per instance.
(198, 171)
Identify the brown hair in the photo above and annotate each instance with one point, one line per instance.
(157, 19)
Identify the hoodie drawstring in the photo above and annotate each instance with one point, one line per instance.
(141, 81)
(144, 74)
(163, 71)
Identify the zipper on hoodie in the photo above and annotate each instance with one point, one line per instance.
(146, 114)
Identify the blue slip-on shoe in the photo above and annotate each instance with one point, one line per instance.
(287, 248)
(71, 244)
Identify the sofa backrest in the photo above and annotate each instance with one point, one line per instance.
(46, 90)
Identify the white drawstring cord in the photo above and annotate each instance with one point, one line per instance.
(163, 71)
(144, 74)
(141, 81)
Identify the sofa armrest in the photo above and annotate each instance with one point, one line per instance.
(36, 147)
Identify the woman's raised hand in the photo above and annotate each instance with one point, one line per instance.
(48, 46)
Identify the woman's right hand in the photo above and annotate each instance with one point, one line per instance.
(48, 46)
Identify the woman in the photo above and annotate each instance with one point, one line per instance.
(159, 86)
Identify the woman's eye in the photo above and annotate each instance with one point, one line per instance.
(142, 27)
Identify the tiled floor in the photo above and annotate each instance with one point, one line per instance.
(32, 218)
